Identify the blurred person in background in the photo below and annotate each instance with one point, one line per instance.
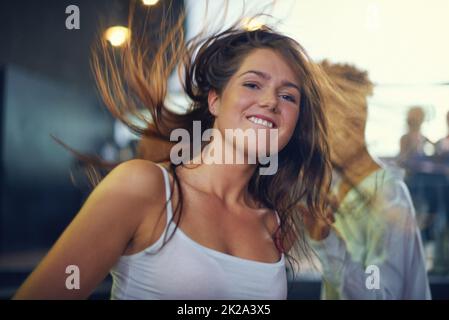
(372, 225)
(441, 265)
(412, 144)
(419, 171)
(442, 145)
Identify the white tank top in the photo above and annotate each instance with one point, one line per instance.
(185, 269)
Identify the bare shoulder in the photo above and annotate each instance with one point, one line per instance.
(142, 202)
(127, 195)
(99, 233)
(137, 178)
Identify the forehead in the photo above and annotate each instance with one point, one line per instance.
(270, 62)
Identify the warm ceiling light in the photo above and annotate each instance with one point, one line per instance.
(150, 2)
(117, 35)
(252, 24)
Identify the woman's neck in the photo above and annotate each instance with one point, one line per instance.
(226, 182)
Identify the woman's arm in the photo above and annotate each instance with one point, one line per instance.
(99, 234)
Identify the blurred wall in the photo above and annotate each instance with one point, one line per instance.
(46, 87)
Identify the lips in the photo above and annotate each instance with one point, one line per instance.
(263, 121)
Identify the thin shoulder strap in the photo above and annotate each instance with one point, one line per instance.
(168, 205)
(277, 238)
(278, 219)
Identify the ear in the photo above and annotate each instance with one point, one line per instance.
(213, 101)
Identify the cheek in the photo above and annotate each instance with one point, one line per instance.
(291, 118)
(233, 107)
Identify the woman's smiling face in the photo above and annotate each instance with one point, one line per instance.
(263, 94)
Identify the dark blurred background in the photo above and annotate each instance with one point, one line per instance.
(47, 88)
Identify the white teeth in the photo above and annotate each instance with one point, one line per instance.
(265, 123)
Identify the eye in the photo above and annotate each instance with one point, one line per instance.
(251, 85)
(288, 97)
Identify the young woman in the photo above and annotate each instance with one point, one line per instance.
(200, 231)
(373, 249)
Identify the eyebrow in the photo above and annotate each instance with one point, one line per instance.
(266, 76)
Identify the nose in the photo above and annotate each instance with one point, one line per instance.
(269, 100)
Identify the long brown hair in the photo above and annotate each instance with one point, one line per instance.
(132, 84)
